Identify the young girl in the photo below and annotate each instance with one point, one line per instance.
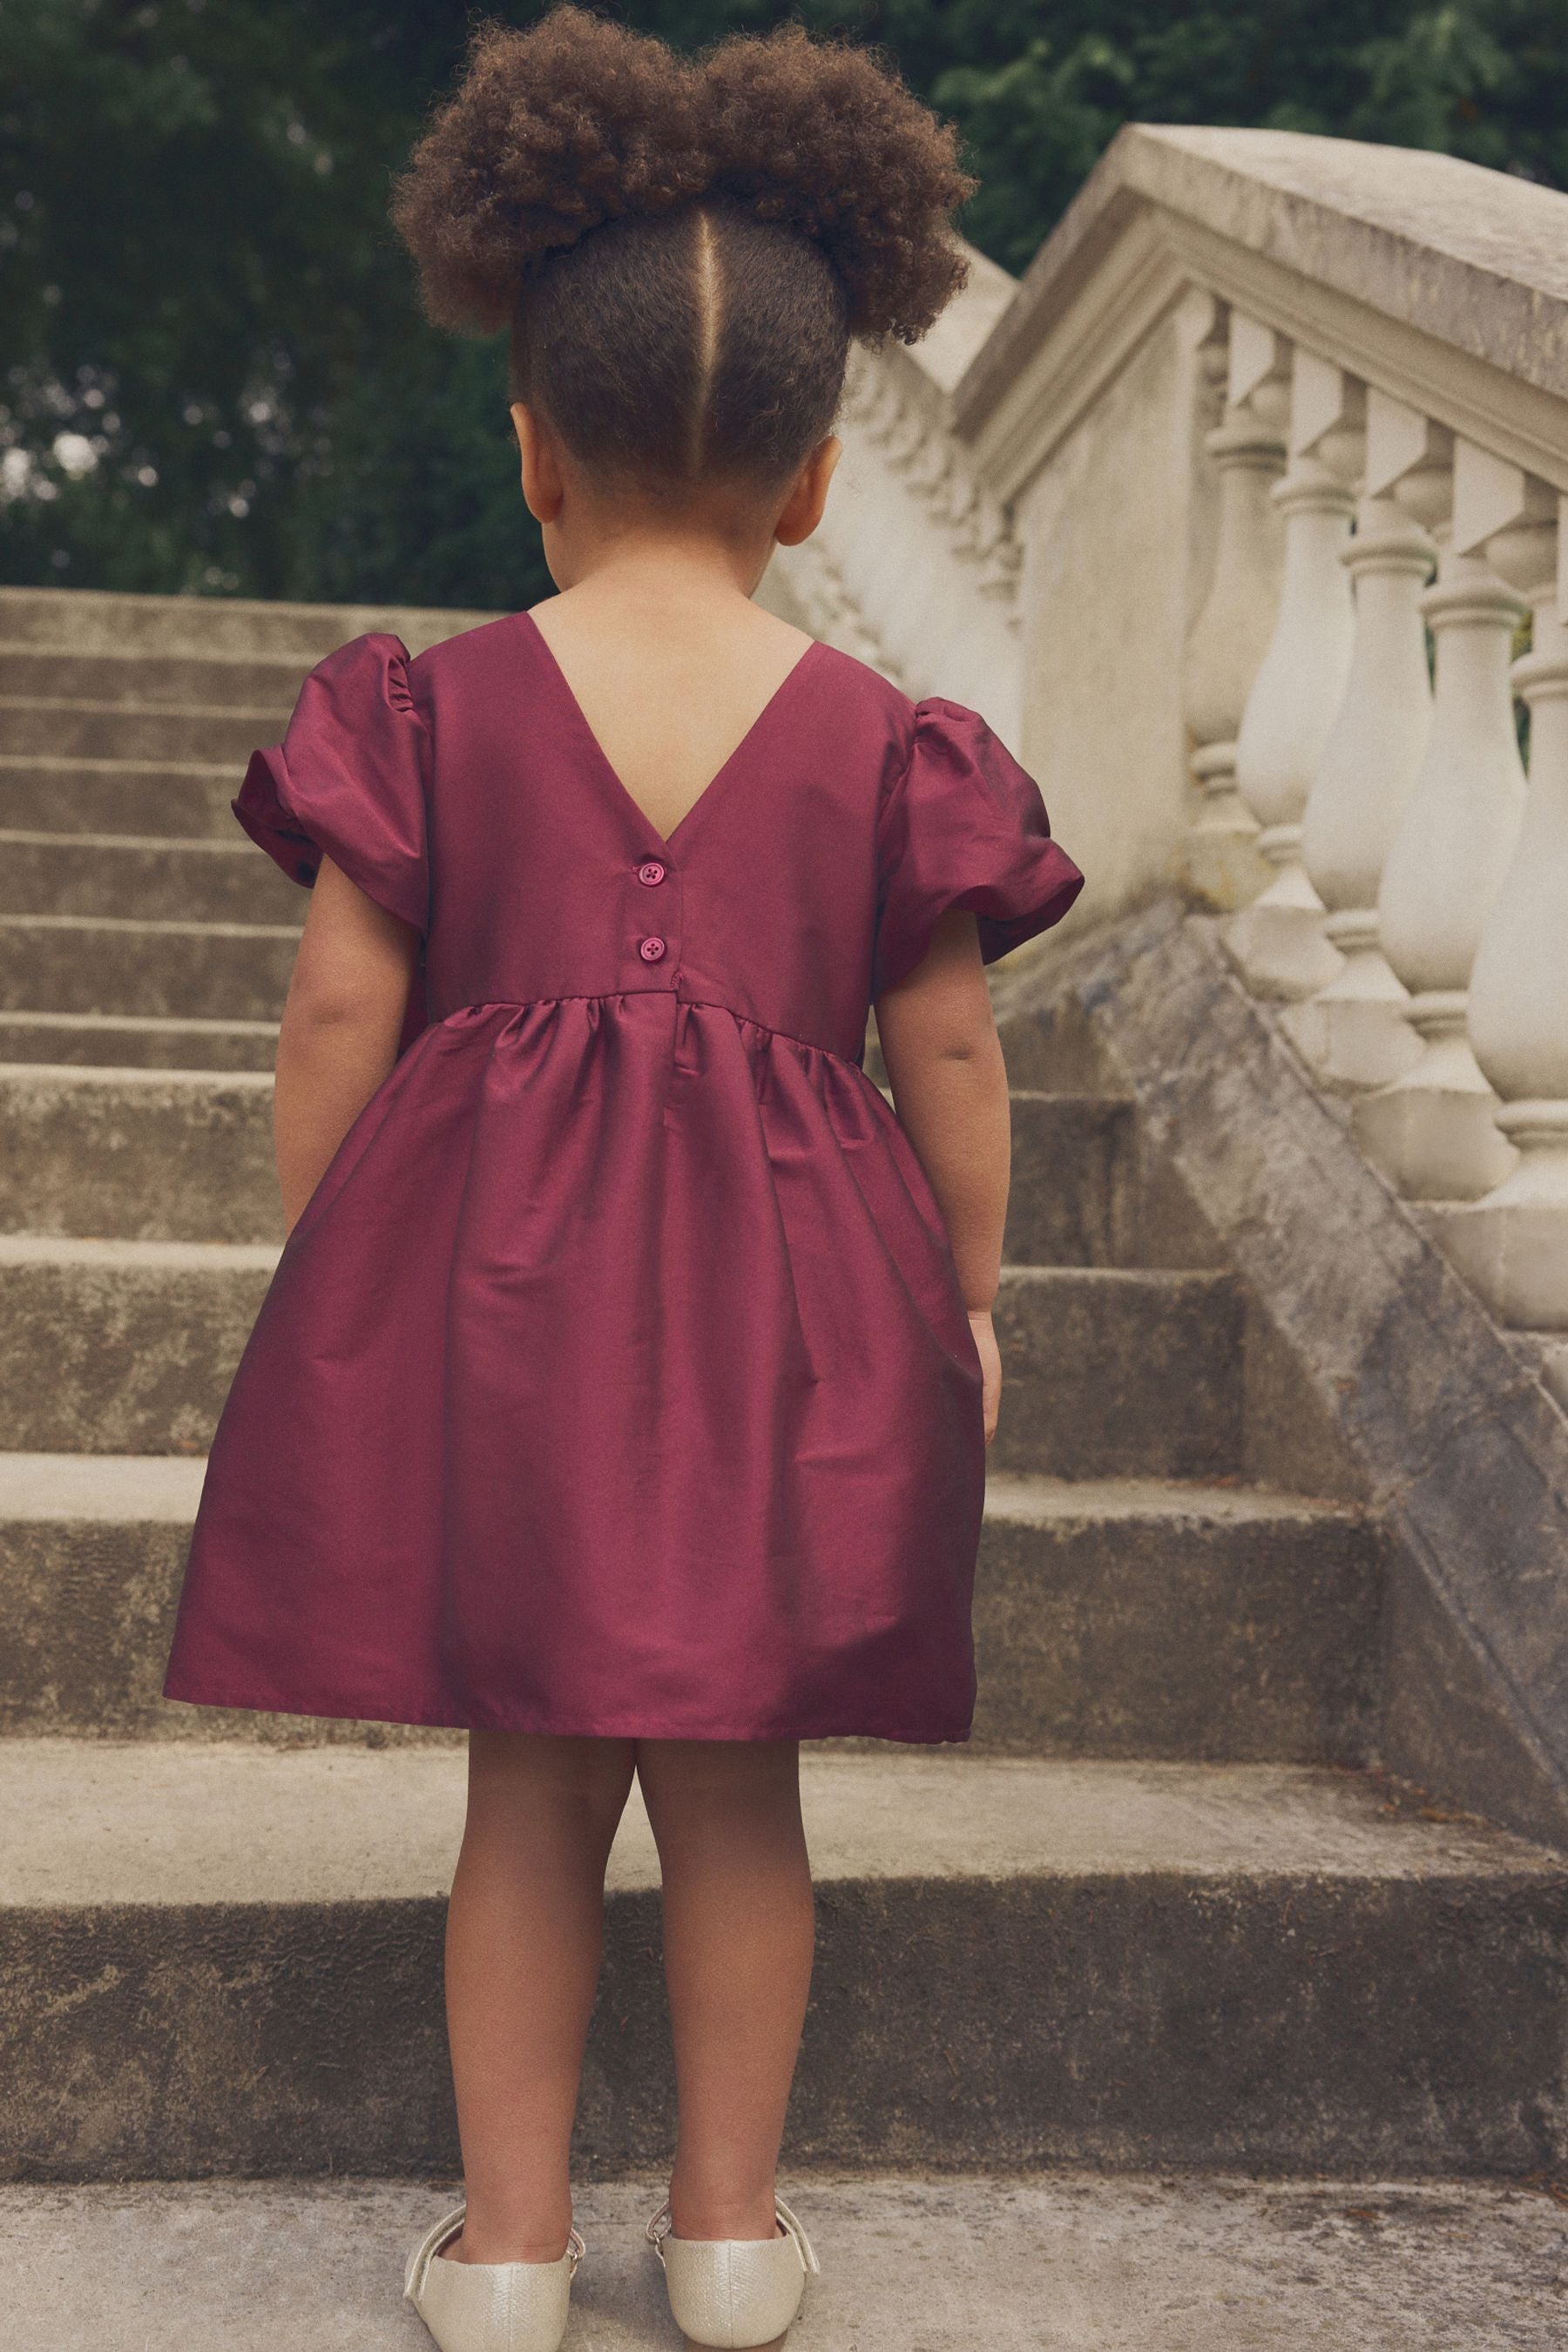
(623, 1391)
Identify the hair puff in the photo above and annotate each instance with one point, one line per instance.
(550, 131)
(576, 121)
(824, 134)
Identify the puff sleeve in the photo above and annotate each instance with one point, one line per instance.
(348, 780)
(963, 826)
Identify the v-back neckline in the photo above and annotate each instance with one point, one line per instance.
(600, 758)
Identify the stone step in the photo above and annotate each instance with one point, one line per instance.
(127, 1347)
(92, 1551)
(228, 1960)
(249, 681)
(1074, 1195)
(94, 963)
(909, 2263)
(43, 794)
(1116, 1373)
(115, 1346)
(124, 730)
(1165, 1618)
(130, 1041)
(139, 1154)
(76, 620)
(96, 1148)
(1135, 1619)
(1054, 1047)
(148, 878)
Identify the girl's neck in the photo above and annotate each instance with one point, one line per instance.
(633, 561)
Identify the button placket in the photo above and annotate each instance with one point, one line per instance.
(661, 946)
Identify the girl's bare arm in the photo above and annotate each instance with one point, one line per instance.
(341, 1026)
(949, 1088)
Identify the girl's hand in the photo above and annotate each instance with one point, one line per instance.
(990, 1364)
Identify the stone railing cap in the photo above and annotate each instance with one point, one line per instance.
(1474, 258)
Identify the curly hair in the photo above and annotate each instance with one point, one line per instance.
(683, 247)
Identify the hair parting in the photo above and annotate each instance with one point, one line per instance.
(709, 297)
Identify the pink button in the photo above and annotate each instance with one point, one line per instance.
(650, 950)
(650, 872)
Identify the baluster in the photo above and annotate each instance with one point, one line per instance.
(1513, 1244)
(959, 494)
(1277, 942)
(1432, 1130)
(931, 464)
(989, 537)
(1230, 635)
(1351, 1033)
(905, 434)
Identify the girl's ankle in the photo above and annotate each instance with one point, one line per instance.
(503, 2237)
(696, 2214)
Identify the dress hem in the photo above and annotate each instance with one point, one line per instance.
(443, 1719)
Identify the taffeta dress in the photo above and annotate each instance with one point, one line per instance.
(616, 1378)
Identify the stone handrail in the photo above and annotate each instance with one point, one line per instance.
(1234, 515)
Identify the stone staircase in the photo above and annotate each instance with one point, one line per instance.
(1158, 1914)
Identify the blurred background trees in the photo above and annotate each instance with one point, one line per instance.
(213, 375)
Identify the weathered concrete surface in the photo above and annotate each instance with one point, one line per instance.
(49, 793)
(1115, 1372)
(92, 1549)
(129, 1347)
(134, 1041)
(1066, 2262)
(87, 963)
(229, 1960)
(69, 1488)
(1546, 1353)
(1290, 1439)
(168, 1826)
(62, 620)
(125, 1346)
(1463, 1451)
(111, 1347)
(115, 731)
(1073, 1198)
(1131, 1617)
(171, 681)
(93, 1151)
(45, 872)
(1152, 1618)
(139, 1155)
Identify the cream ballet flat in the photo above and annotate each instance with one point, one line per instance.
(733, 2291)
(489, 2307)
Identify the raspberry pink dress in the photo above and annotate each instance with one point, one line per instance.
(616, 1378)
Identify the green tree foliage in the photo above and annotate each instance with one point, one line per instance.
(1487, 79)
(225, 382)
(216, 378)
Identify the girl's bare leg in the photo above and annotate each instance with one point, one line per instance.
(739, 1928)
(524, 1936)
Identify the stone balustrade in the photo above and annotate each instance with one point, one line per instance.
(1235, 515)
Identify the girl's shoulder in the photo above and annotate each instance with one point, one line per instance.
(929, 738)
(915, 725)
(467, 653)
